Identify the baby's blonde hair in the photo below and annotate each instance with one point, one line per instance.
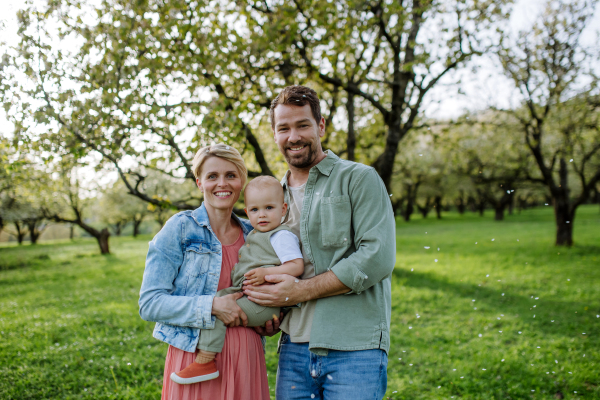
(264, 181)
(223, 151)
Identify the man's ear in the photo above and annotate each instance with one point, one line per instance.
(199, 184)
(322, 127)
(246, 211)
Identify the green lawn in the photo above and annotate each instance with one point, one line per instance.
(497, 312)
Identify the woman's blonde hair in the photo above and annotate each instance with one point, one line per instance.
(223, 151)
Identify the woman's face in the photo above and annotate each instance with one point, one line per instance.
(221, 183)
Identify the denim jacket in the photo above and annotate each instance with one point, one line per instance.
(181, 278)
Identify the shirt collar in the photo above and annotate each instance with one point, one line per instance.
(325, 166)
(201, 217)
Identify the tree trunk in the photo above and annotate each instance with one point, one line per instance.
(408, 210)
(481, 206)
(562, 208)
(258, 153)
(20, 232)
(136, 226)
(101, 236)
(351, 140)
(426, 208)
(499, 212)
(460, 204)
(34, 233)
(511, 204)
(411, 196)
(384, 164)
(520, 204)
(72, 232)
(438, 206)
(118, 227)
(103, 241)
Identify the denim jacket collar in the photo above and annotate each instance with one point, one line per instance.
(201, 217)
(325, 166)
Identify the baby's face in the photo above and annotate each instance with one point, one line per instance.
(265, 207)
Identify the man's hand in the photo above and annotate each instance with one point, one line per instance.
(255, 277)
(283, 292)
(286, 290)
(271, 327)
(227, 310)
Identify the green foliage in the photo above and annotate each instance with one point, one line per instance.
(61, 305)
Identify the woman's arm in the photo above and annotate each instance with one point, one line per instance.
(165, 257)
(227, 310)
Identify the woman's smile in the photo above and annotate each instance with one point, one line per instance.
(223, 194)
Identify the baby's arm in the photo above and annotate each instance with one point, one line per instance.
(257, 276)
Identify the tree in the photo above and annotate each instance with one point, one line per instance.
(494, 158)
(142, 84)
(418, 176)
(559, 113)
(117, 208)
(389, 54)
(71, 201)
(21, 199)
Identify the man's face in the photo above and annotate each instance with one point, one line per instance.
(298, 135)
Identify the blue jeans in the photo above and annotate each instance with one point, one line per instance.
(340, 375)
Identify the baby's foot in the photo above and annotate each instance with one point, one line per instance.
(195, 373)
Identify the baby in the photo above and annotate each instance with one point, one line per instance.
(271, 248)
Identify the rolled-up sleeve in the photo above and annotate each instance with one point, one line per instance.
(157, 301)
(374, 235)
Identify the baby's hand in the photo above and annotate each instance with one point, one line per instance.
(256, 277)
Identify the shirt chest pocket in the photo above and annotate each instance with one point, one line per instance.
(197, 262)
(336, 218)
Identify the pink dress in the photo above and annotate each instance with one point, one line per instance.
(242, 367)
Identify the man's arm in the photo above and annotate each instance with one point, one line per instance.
(286, 290)
(257, 275)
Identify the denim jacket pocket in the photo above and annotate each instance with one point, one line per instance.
(336, 217)
(196, 264)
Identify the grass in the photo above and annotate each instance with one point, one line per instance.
(509, 317)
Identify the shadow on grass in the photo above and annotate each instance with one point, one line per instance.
(567, 321)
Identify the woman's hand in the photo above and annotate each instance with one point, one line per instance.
(227, 310)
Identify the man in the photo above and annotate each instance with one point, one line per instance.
(335, 345)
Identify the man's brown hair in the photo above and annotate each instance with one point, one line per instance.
(297, 95)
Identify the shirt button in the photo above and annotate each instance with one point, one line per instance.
(345, 239)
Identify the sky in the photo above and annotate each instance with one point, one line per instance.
(487, 83)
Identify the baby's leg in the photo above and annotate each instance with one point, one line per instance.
(204, 356)
(211, 341)
(204, 368)
(257, 315)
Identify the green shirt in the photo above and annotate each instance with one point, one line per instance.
(348, 227)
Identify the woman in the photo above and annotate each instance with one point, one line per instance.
(188, 261)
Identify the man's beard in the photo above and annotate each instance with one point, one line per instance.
(302, 161)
